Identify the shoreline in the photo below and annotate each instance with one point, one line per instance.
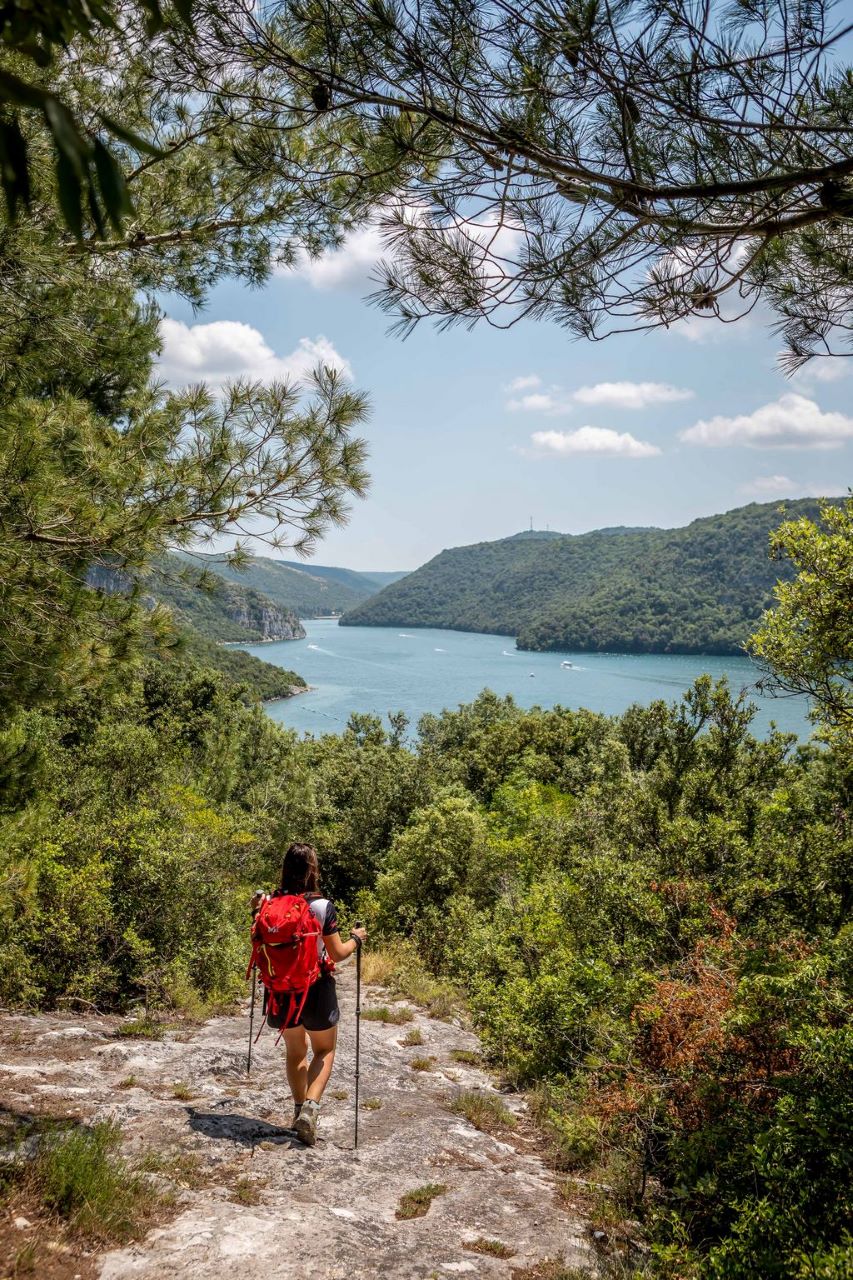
(295, 690)
(241, 644)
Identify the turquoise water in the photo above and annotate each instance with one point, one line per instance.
(382, 669)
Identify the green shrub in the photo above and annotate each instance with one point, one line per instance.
(78, 1175)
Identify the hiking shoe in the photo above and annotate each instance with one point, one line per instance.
(306, 1123)
(297, 1108)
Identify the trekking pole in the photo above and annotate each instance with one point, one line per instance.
(257, 899)
(251, 1022)
(357, 1024)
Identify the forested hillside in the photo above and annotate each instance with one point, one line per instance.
(308, 590)
(252, 677)
(698, 589)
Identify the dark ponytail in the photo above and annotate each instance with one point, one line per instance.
(300, 870)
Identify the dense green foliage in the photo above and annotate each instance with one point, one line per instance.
(103, 471)
(699, 589)
(307, 589)
(804, 641)
(200, 614)
(259, 679)
(86, 170)
(650, 915)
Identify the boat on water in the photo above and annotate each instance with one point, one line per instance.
(567, 664)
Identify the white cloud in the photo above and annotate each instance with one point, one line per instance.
(736, 321)
(228, 349)
(593, 440)
(791, 422)
(827, 368)
(769, 487)
(631, 395)
(351, 265)
(347, 267)
(538, 402)
(619, 395)
(822, 369)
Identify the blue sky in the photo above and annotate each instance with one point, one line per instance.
(472, 433)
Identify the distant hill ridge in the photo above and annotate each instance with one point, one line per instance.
(696, 589)
(306, 589)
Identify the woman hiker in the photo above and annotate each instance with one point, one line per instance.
(314, 1015)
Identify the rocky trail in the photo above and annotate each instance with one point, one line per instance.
(251, 1202)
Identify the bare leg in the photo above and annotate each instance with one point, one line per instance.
(323, 1048)
(296, 1047)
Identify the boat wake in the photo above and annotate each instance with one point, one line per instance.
(439, 651)
(508, 653)
(401, 635)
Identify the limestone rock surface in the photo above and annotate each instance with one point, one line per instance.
(259, 1206)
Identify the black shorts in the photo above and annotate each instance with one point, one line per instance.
(320, 1011)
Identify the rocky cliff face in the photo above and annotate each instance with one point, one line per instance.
(256, 613)
(221, 611)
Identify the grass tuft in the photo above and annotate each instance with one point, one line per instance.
(78, 1175)
(494, 1248)
(412, 1038)
(549, 1269)
(379, 964)
(247, 1190)
(415, 1204)
(340, 1094)
(24, 1261)
(384, 1014)
(129, 1082)
(142, 1029)
(483, 1110)
(184, 1168)
(399, 968)
(182, 1092)
(471, 1057)
(371, 1104)
(422, 1064)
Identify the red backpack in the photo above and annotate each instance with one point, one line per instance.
(284, 949)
